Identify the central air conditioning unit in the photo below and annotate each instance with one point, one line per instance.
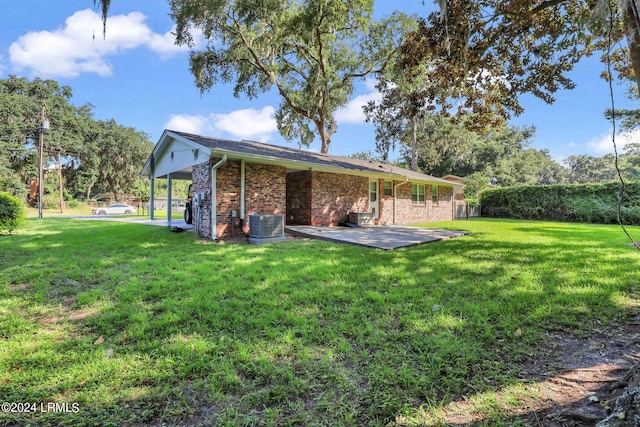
(266, 228)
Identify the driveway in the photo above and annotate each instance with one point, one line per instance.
(178, 222)
(381, 237)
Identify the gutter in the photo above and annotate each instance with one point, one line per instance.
(214, 199)
(406, 180)
(242, 193)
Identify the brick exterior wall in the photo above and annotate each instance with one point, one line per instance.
(408, 213)
(265, 193)
(201, 180)
(227, 199)
(444, 210)
(265, 190)
(305, 197)
(385, 215)
(334, 196)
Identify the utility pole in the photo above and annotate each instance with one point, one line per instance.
(44, 125)
(60, 183)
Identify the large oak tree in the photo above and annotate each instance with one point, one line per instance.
(97, 154)
(310, 51)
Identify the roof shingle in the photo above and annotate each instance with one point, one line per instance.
(252, 149)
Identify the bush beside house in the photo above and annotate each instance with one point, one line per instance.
(592, 203)
(12, 212)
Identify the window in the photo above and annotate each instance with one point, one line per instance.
(388, 188)
(434, 194)
(417, 194)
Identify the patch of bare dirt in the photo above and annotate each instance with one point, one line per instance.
(587, 381)
(592, 380)
(582, 377)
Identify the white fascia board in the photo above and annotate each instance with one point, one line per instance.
(186, 154)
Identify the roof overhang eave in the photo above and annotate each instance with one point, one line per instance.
(166, 137)
(302, 165)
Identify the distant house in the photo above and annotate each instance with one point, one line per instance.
(234, 179)
(458, 186)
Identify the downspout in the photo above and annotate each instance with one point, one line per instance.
(242, 194)
(214, 222)
(453, 203)
(406, 180)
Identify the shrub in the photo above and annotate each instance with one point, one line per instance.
(13, 185)
(12, 212)
(593, 203)
(51, 201)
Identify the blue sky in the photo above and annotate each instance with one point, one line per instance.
(140, 78)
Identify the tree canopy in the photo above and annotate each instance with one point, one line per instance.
(489, 52)
(309, 51)
(501, 155)
(470, 59)
(486, 53)
(97, 154)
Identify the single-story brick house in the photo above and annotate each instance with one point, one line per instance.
(308, 188)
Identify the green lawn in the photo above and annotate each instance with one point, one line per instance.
(137, 325)
(84, 209)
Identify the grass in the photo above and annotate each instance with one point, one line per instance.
(84, 209)
(137, 325)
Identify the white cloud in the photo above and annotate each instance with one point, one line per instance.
(164, 44)
(242, 124)
(198, 125)
(352, 112)
(603, 144)
(79, 46)
(248, 123)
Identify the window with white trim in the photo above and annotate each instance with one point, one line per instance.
(388, 188)
(417, 194)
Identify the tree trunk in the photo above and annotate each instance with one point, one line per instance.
(325, 135)
(89, 188)
(632, 22)
(324, 147)
(414, 144)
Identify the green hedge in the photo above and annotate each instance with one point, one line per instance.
(594, 203)
(12, 212)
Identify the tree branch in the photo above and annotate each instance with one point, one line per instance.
(547, 4)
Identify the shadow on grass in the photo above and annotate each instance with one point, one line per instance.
(140, 325)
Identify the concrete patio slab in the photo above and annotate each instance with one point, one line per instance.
(385, 237)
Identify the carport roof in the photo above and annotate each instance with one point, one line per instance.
(293, 159)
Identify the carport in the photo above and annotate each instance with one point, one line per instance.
(173, 159)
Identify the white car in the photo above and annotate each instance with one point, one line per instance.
(114, 209)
